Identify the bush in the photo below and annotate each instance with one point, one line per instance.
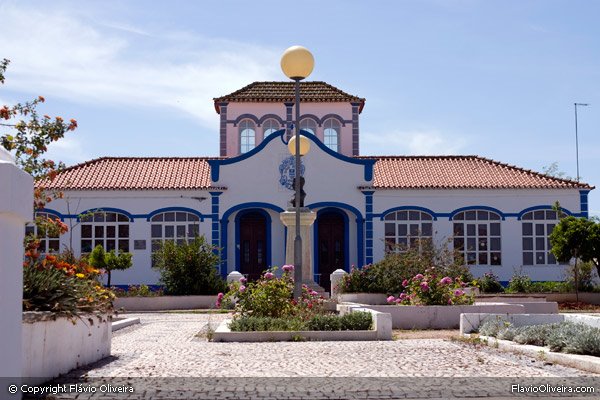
(567, 337)
(109, 261)
(356, 321)
(251, 324)
(489, 283)
(519, 283)
(431, 288)
(52, 284)
(271, 296)
(324, 323)
(536, 335)
(387, 275)
(189, 268)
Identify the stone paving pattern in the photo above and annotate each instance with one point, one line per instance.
(168, 345)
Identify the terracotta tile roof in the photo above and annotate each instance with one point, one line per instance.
(133, 173)
(459, 172)
(391, 172)
(281, 92)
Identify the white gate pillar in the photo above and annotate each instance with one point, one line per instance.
(16, 208)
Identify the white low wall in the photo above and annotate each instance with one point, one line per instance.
(382, 330)
(363, 298)
(53, 347)
(436, 317)
(160, 303)
(591, 298)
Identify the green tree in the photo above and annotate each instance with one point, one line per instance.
(109, 261)
(577, 238)
(189, 268)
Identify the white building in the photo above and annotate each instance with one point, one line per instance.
(499, 214)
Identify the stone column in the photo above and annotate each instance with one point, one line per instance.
(336, 278)
(16, 208)
(307, 218)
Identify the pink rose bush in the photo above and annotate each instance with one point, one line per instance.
(271, 296)
(428, 289)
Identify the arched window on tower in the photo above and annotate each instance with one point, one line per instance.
(309, 124)
(270, 126)
(331, 134)
(247, 136)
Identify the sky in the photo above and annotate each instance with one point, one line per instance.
(495, 78)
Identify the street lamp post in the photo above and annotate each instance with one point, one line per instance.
(576, 137)
(297, 63)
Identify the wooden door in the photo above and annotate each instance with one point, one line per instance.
(331, 228)
(253, 245)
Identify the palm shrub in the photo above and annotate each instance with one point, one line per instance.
(189, 268)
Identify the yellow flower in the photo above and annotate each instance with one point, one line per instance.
(80, 275)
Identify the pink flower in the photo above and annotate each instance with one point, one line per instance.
(424, 286)
(458, 292)
(446, 280)
(287, 268)
(242, 289)
(269, 275)
(449, 302)
(391, 299)
(405, 283)
(243, 280)
(313, 293)
(418, 277)
(220, 296)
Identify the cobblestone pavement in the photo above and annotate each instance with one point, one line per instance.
(169, 345)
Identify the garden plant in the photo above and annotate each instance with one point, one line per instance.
(267, 304)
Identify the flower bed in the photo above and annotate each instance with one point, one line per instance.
(54, 345)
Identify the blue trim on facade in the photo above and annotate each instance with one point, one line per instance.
(53, 212)
(110, 209)
(216, 164)
(368, 228)
(316, 239)
(181, 209)
(360, 221)
(238, 216)
(407, 208)
(214, 231)
(475, 208)
(225, 220)
(542, 207)
(583, 203)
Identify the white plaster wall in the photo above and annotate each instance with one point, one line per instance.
(16, 208)
(507, 201)
(256, 180)
(54, 347)
(135, 203)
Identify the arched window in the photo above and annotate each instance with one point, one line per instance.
(174, 226)
(477, 237)
(309, 124)
(49, 242)
(331, 134)
(407, 229)
(270, 126)
(247, 136)
(536, 228)
(105, 228)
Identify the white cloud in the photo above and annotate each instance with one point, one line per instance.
(70, 56)
(415, 142)
(69, 150)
